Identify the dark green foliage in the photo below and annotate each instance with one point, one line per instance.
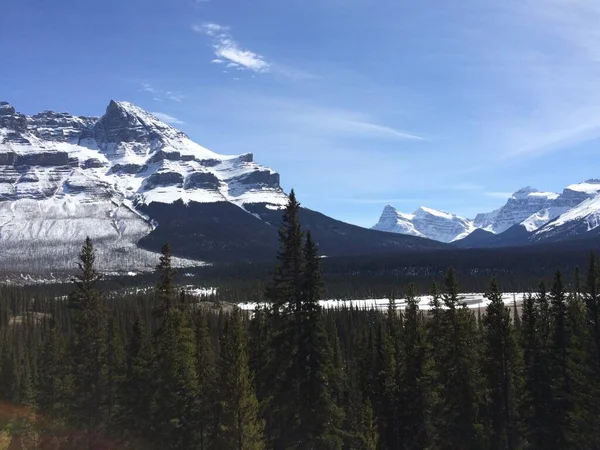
(240, 426)
(502, 370)
(175, 383)
(165, 288)
(102, 371)
(412, 396)
(89, 355)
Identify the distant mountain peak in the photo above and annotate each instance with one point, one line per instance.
(524, 192)
(424, 222)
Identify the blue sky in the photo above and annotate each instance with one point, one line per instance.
(356, 103)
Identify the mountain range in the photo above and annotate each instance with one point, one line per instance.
(528, 216)
(132, 182)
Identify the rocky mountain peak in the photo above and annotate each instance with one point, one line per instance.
(524, 192)
(6, 109)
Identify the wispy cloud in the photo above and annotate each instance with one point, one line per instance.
(552, 64)
(147, 87)
(228, 51)
(346, 124)
(501, 195)
(167, 118)
(160, 95)
(377, 201)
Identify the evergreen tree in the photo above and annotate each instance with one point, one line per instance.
(559, 363)
(319, 417)
(165, 289)
(592, 301)
(55, 384)
(137, 387)
(115, 374)
(240, 426)
(284, 293)
(537, 401)
(502, 370)
(205, 367)
(412, 376)
(582, 417)
(89, 349)
(459, 424)
(176, 383)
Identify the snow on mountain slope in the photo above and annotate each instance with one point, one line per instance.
(425, 222)
(580, 219)
(542, 217)
(520, 206)
(529, 207)
(394, 221)
(64, 177)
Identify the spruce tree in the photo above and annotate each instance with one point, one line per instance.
(501, 368)
(592, 301)
(115, 373)
(176, 383)
(176, 379)
(537, 401)
(284, 294)
(55, 383)
(582, 417)
(240, 425)
(559, 341)
(89, 349)
(319, 417)
(137, 387)
(165, 288)
(206, 369)
(412, 376)
(459, 424)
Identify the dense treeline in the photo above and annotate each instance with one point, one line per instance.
(94, 371)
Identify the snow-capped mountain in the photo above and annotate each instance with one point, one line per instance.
(583, 218)
(63, 178)
(126, 178)
(520, 206)
(425, 222)
(543, 214)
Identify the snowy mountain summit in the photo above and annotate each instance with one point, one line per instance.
(64, 177)
(543, 215)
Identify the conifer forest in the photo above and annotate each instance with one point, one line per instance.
(157, 369)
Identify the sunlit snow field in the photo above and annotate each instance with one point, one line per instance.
(471, 300)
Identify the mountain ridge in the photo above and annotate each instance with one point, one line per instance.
(528, 207)
(64, 177)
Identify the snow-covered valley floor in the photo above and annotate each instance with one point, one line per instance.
(472, 300)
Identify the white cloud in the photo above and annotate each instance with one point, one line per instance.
(176, 97)
(228, 50)
(346, 124)
(148, 88)
(160, 94)
(167, 118)
(501, 195)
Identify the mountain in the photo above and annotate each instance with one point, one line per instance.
(520, 206)
(132, 182)
(425, 222)
(528, 216)
(581, 219)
